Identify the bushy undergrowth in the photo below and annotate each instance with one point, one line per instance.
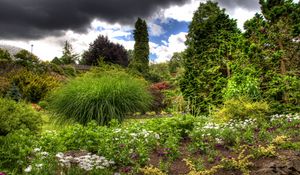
(15, 116)
(242, 108)
(32, 86)
(100, 97)
(126, 148)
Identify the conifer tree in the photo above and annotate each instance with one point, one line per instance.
(206, 70)
(140, 61)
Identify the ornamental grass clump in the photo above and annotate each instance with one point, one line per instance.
(100, 97)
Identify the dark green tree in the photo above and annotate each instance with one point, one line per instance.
(140, 61)
(102, 49)
(69, 57)
(4, 55)
(14, 93)
(208, 47)
(274, 49)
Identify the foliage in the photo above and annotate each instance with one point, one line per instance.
(140, 61)
(14, 150)
(241, 109)
(4, 85)
(264, 151)
(100, 97)
(243, 84)
(104, 49)
(176, 62)
(150, 170)
(69, 70)
(34, 87)
(15, 116)
(26, 59)
(14, 93)
(161, 70)
(194, 171)
(5, 56)
(210, 43)
(156, 91)
(134, 142)
(275, 52)
(68, 56)
(241, 163)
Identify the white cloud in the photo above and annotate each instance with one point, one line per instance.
(182, 13)
(155, 29)
(186, 12)
(175, 43)
(50, 47)
(242, 16)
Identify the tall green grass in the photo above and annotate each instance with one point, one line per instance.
(100, 97)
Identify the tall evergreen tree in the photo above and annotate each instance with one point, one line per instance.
(140, 61)
(276, 52)
(206, 69)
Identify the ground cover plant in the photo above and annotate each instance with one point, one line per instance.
(196, 144)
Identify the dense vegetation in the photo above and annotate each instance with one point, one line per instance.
(228, 104)
(104, 50)
(101, 97)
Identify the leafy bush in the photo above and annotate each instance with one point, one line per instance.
(4, 85)
(69, 70)
(15, 116)
(34, 87)
(242, 85)
(241, 109)
(110, 95)
(156, 91)
(15, 149)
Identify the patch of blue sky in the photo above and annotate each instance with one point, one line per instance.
(125, 38)
(171, 27)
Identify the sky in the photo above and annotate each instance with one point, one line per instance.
(47, 24)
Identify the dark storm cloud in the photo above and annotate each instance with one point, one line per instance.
(32, 19)
(246, 4)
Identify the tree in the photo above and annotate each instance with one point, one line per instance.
(106, 50)
(68, 56)
(141, 52)
(208, 47)
(275, 52)
(4, 55)
(175, 62)
(24, 55)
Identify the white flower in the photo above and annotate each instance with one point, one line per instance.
(37, 149)
(156, 136)
(28, 169)
(99, 167)
(39, 165)
(59, 155)
(44, 153)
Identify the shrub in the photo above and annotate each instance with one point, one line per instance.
(241, 109)
(15, 149)
(34, 87)
(15, 116)
(156, 91)
(110, 95)
(4, 85)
